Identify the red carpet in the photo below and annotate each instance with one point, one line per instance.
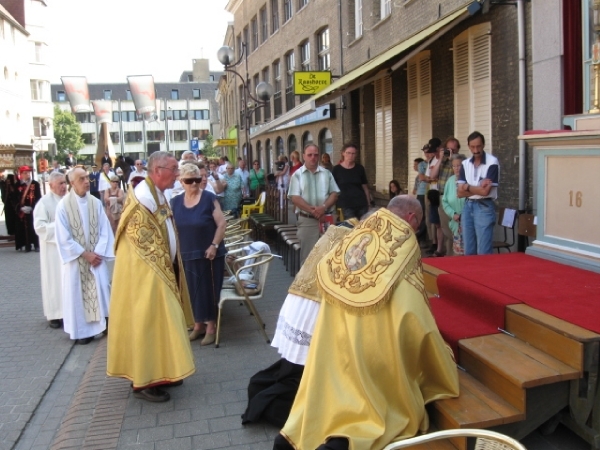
(481, 286)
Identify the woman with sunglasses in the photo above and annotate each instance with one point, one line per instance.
(201, 226)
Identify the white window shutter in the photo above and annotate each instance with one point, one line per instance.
(425, 125)
(379, 136)
(472, 83)
(383, 133)
(419, 107)
(414, 136)
(462, 91)
(482, 86)
(389, 144)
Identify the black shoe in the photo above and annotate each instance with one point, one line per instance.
(27, 249)
(173, 384)
(85, 341)
(54, 323)
(37, 249)
(152, 394)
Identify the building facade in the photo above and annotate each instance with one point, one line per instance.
(26, 106)
(405, 71)
(279, 38)
(188, 114)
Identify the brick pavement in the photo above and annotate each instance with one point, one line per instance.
(31, 353)
(56, 395)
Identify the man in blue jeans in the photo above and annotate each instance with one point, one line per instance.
(478, 183)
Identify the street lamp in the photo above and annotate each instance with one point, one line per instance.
(262, 95)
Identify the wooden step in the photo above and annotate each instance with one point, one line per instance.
(476, 407)
(430, 275)
(508, 366)
(563, 340)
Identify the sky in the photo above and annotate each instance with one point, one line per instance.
(110, 39)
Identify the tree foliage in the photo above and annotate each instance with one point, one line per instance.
(67, 133)
(208, 150)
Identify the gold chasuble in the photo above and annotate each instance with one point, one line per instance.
(305, 281)
(376, 357)
(150, 307)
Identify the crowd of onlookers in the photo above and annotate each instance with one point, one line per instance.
(436, 186)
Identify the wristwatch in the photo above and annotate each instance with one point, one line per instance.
(216, 245)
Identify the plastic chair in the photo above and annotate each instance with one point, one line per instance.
(485, 440)
(261, 265)
(257, 207)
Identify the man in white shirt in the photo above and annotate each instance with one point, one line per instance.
(478, 183)
(223, 160)
(313, 192)
(139, 170)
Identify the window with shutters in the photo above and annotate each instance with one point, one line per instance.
(473, 83)
(383, 133)
(358, 21)
(419, 107)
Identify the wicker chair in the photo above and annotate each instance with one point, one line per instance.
(485, 440)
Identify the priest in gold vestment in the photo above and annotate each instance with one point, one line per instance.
(376, 357)
(150, 307)
(271, 391)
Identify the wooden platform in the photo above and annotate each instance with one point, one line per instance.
(515, 382)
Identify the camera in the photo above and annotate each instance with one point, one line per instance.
(447, 152)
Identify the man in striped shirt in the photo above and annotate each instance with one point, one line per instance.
(313, 192)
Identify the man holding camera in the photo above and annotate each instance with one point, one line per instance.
(442, 171)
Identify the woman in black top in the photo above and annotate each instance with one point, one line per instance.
(351, 178)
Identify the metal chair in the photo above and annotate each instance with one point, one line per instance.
(506, 219)
(261, 266)
(485, 440)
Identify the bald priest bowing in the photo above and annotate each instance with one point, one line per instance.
(376, 357)
(85, 243)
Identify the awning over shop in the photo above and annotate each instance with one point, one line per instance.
(367, 72)
(300, 110)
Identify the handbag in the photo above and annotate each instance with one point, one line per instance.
(457, 242)
(116, 209)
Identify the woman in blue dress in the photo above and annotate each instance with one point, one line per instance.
(233, 190)
(201, 226)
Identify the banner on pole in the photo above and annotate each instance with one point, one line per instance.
(78, 93)
(143, 94)
(103, 110)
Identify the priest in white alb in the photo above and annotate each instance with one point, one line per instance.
(85, 243)
(43, 222)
